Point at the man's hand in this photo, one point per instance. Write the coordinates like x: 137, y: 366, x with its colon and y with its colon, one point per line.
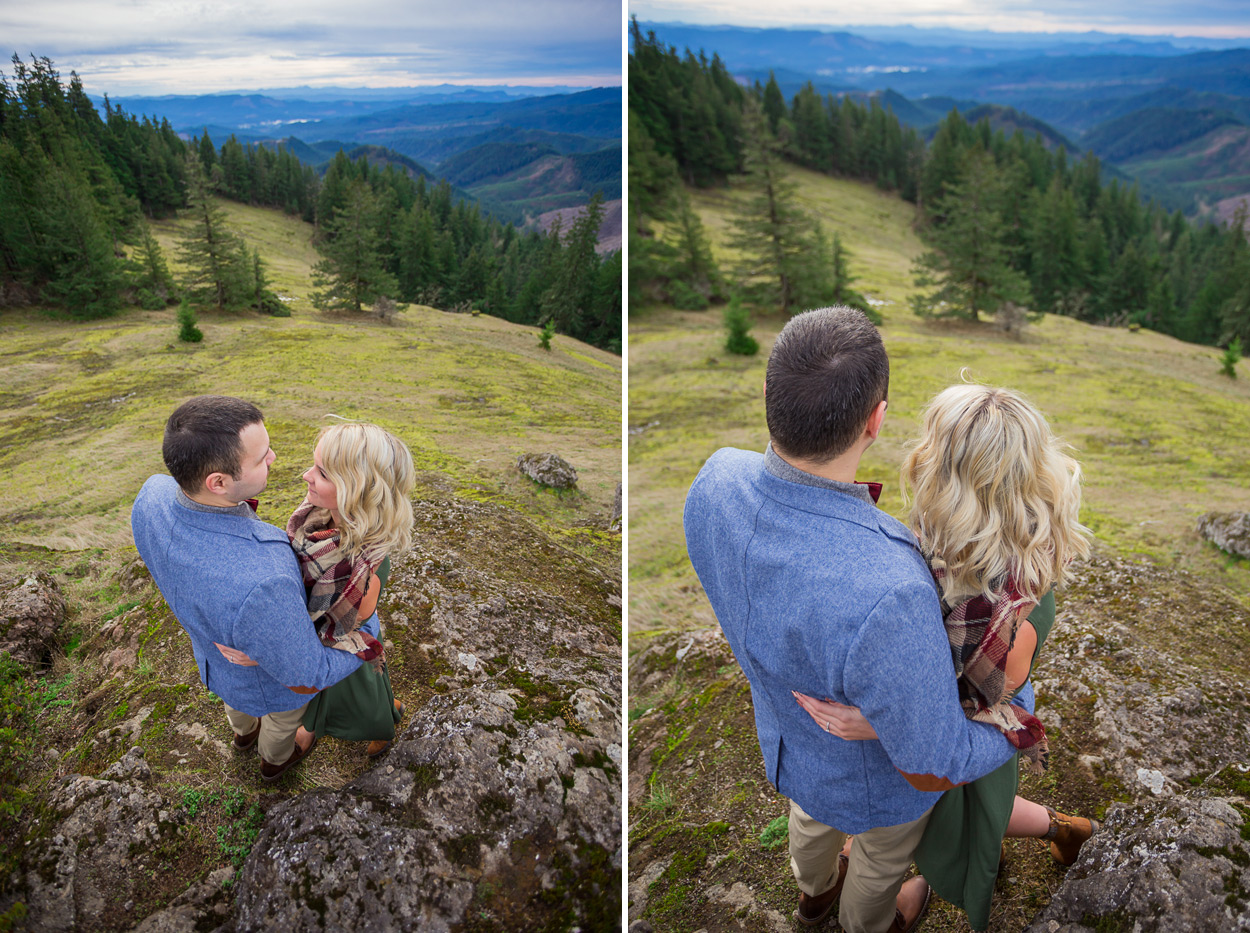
x: 235, y: 656
x: 846, y: 722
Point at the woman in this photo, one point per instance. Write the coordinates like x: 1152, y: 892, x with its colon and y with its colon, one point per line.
x: 995, y: 510
x: 355, y: 516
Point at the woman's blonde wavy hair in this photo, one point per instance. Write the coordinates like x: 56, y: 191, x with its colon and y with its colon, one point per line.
x: 373, y: 475
x: 994, y: 492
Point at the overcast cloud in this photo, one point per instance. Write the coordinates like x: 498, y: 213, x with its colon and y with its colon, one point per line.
x: 1224, y: 19
x: 201, y: 46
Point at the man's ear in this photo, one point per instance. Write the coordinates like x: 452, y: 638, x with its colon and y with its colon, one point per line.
x: 215, y: 483
x: 875, y: 420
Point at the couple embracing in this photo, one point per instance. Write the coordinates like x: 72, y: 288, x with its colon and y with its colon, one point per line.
x: 282, y: 622
x: 889, y: 664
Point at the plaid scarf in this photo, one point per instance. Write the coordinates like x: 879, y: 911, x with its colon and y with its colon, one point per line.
x: 335, y: 584
x: 981, y: 632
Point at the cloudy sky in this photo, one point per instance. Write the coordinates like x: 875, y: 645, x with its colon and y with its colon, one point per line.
x: 199, y: 46
x: 1224, y: 19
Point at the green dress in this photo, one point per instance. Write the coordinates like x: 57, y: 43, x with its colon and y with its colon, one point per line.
x: 960, y: 849
x: 359, y: 708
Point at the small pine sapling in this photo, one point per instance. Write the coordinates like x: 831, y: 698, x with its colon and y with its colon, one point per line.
x: 738, y: 324
x: 1228, y: 362
x: 548, y: 331
x: 187, y: 331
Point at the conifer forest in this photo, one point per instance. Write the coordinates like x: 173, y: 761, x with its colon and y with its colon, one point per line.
x: 76, y: 187
x: 1006, y: 220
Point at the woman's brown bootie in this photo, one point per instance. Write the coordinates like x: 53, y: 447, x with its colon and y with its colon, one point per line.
x: 1067, y: 834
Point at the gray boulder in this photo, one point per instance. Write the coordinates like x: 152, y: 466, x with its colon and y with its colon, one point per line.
x: 1227, y: 530
x: 93, y: 864
x: 480, y: 813
x: 548, y: 469
x: 1179, y: 867
x: 31, y: 611
x: 616, y: 507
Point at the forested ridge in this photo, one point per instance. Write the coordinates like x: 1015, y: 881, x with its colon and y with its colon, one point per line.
x: 1007, y: 218
x: 76, y: 185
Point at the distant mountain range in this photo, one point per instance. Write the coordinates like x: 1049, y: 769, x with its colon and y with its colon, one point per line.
x: 1170, y: 113
x: 520, y: 156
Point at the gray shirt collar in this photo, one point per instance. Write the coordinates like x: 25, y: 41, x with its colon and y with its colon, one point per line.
x: 783, y: 470
x: 242, y: 509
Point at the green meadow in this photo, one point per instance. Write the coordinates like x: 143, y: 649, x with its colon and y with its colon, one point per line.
x: 1160, y: 433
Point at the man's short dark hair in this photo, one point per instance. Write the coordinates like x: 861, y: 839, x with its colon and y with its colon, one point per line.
x: 202, y: 437
x: 827, y: 373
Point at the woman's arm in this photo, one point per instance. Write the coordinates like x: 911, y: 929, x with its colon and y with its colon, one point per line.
x: 1020, y: 658
x: 369, y: 604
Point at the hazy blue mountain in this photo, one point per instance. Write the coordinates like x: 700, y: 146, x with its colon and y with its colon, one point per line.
x: 1079, y: 116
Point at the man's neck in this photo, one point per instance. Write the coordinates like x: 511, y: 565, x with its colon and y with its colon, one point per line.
x: 840, y: 469
x: 204, y: 498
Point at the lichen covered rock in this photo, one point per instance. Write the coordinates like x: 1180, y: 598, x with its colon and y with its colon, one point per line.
x: 31, y: 611
x: 1229, y: 531
x: 548, y: 469
x: 91, y: 865
x: 476, y: 811
x: 1180, y: 867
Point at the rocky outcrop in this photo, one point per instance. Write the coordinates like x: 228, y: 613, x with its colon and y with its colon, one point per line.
x: 476, y: 810
x: 1229, y: 531
x: 1179, y: 866
x: 98, y: 839
x: 548, y: 469
x: 31, y: 612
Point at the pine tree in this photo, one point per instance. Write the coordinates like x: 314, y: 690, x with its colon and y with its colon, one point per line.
x: 695, y: 278
x: 968, y: 261
x: 187, y: 331
x: 353, y: 272
x: 215, y: 258
x: 569, y: 301
x: 738, y: 326
x: 1228, y: 362
x: 772, y: 235
x: 152, y: 280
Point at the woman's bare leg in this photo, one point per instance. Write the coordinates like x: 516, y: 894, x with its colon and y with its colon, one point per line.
x: 1028, y: 820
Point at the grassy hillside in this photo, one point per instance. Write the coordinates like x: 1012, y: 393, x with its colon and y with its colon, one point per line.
x: 1160, y: 433
x: 82, y: 406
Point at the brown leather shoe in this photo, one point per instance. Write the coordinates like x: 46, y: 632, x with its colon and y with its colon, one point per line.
x: 377, y: 747
x: 813, y: 910
x: 271, y: 773
x: 245, y: 743
x: 399, y: 710
x: 900, y: 924
x: 1067, y: 834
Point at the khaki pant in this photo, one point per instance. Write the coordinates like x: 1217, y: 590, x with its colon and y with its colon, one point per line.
x: 277, y: 732
x: 879, y: 860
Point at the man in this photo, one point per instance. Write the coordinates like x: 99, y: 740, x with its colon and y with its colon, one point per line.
x: 820, y: 592
x: 232, y: 580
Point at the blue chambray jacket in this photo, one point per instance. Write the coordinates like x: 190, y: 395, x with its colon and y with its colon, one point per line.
x: 236, y: 581
x: 820, y: 592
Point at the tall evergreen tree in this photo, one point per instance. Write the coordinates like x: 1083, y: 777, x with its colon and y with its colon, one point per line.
x: 570, y: 299
x: 353, y: 272
x: 771, y: 233
x: 216, y: 260
x: 968, y: 261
